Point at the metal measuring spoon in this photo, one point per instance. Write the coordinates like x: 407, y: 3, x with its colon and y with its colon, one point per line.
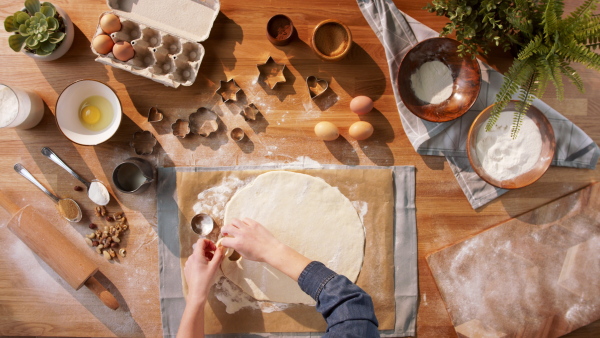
x: 21, y: 170
x: 52, y: 156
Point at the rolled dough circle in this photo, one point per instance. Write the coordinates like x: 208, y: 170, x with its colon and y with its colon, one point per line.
x: 305, y: 213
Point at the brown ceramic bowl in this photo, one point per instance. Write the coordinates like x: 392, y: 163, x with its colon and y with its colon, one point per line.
x: 280, y: 30
x: 465, y: 74
x: 331, y: 40
x: 527, y: 178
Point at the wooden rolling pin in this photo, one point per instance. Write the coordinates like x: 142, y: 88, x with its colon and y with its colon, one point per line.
x: 55, y: 249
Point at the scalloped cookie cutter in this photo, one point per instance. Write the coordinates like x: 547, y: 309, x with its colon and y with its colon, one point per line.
x: 181, y: 128
x: 203, y: 122
x: 271, y: 73
x: 143, y: 142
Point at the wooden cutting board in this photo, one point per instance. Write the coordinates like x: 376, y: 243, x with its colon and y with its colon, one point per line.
x: 536, y: 275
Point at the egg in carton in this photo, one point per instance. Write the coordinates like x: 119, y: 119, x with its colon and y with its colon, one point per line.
x: 164, y: 35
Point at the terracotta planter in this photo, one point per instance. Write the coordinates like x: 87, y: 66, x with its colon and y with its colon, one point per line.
x: 66, y: 43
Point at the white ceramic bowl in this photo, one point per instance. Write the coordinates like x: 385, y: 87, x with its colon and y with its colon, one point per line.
x: 67, y: 112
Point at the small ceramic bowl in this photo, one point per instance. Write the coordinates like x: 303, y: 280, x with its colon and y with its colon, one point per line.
x: 466, y: 77
x: 539, y: 168
x: 331, y: 40
x: 67, y: 112
x: 280, y: 30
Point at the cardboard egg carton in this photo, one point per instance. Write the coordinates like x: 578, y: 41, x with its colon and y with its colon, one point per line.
x: 165, y: 35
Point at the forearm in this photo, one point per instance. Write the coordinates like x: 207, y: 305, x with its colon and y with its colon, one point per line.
x: 192, y: 321
x: 288, y: 261
x: 345, y: 307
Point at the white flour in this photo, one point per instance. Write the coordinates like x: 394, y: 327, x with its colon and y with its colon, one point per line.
x: 432, y: 82
x: 9, y: 106
x: 504, y: 158
x: 98, y: 193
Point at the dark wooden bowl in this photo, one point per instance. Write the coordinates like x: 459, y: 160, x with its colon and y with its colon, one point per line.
x: 527, y: 178
x: 465, y: 73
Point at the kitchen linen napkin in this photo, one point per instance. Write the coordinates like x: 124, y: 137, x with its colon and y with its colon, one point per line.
x: 398, y: 33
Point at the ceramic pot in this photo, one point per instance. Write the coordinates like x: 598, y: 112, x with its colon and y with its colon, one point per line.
x: 66, y: 43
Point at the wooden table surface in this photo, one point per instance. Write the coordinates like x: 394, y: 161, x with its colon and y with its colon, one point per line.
x: 35, y: 301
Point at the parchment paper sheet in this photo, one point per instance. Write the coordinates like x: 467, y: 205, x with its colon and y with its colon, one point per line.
x: 537, y: 275
x: 388, y: 293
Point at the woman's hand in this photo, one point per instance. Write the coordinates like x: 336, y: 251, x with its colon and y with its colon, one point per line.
x: 200, y: 270
x: 254, y: 242
x: 250, y: 239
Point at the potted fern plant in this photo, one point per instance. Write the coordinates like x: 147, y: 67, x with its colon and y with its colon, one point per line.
x: 546, y: 41
x: 42, y: 31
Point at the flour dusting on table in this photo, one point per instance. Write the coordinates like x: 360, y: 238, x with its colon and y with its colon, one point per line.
x: 236, y: 299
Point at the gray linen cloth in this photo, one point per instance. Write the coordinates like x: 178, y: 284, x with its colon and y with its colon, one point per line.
x: 398, y: 33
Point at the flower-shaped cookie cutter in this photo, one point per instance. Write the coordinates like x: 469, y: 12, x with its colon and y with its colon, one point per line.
x: 155, y: 115
x: 271, y: 73
x: 228, y: 90
x: 181, y: 128
x: 316, y: 87
x: 203, y: 122
x: 143, y: 142
x: 249, y: 112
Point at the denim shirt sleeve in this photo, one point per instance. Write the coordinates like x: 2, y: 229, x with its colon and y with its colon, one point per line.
x: 347, y: 309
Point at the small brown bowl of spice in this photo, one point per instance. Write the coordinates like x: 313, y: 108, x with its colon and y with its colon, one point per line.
x: 331, y: 40
x: 280, y: 30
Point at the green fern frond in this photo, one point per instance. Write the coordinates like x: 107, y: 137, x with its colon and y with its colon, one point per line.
x: 572, y: 75
x: 527, y: 93
x: 588, y: 32
x: 574, y: 52
x: 550, y: 20
x: 551, y: 66
x: 585, y: 10
x: 532, y: 47
x: 516, y: 74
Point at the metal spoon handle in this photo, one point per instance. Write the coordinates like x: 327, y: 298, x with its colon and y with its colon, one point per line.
x: 21, y: 170
x: 51, y: 155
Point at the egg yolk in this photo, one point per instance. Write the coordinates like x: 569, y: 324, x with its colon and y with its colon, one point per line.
x: 90, y: 115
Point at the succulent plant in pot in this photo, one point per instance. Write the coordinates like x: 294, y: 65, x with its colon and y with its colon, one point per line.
x: 41, y: 30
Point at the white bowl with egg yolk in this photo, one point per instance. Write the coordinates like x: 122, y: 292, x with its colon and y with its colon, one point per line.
x: 68, y: 109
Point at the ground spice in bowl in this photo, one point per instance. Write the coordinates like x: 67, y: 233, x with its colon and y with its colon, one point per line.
x: 280, y: 29
x: 68, y: 209
x: 331, y: 40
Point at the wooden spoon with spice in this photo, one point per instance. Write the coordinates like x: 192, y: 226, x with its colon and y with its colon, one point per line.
x: 68, y: 208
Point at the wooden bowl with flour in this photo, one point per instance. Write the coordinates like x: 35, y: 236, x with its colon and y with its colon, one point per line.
x: 435, y: 83
x: 507, y: 162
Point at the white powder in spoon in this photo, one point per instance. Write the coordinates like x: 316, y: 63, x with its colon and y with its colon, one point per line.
x: 503, y: 157
x: 432, y: 82
x: 98, y: 193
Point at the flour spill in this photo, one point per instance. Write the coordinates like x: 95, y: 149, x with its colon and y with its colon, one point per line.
x: 236, y: 299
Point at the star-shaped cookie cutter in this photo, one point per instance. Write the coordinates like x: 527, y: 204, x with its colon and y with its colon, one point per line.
x: 228, y: 90
x: 249, y: 112
x: 271, y: 73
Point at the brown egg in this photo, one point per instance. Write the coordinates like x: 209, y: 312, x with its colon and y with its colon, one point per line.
x: 110, y: 23
x: 123, y: 51
x: 361, y: 130
x: 102, y: 44
x: 326, y: 131
x: 361, y: 105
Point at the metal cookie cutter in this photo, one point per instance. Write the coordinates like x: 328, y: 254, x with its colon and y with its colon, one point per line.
x: 271, y: 73
x: 155, y: 115
x: 316, y: 87
x: 249, y: 113
x: 228, y: 90
x: 203, y: 122
x: 143, y: 142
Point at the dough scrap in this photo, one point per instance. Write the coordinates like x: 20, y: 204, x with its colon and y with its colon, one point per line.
x: 305, y: 213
